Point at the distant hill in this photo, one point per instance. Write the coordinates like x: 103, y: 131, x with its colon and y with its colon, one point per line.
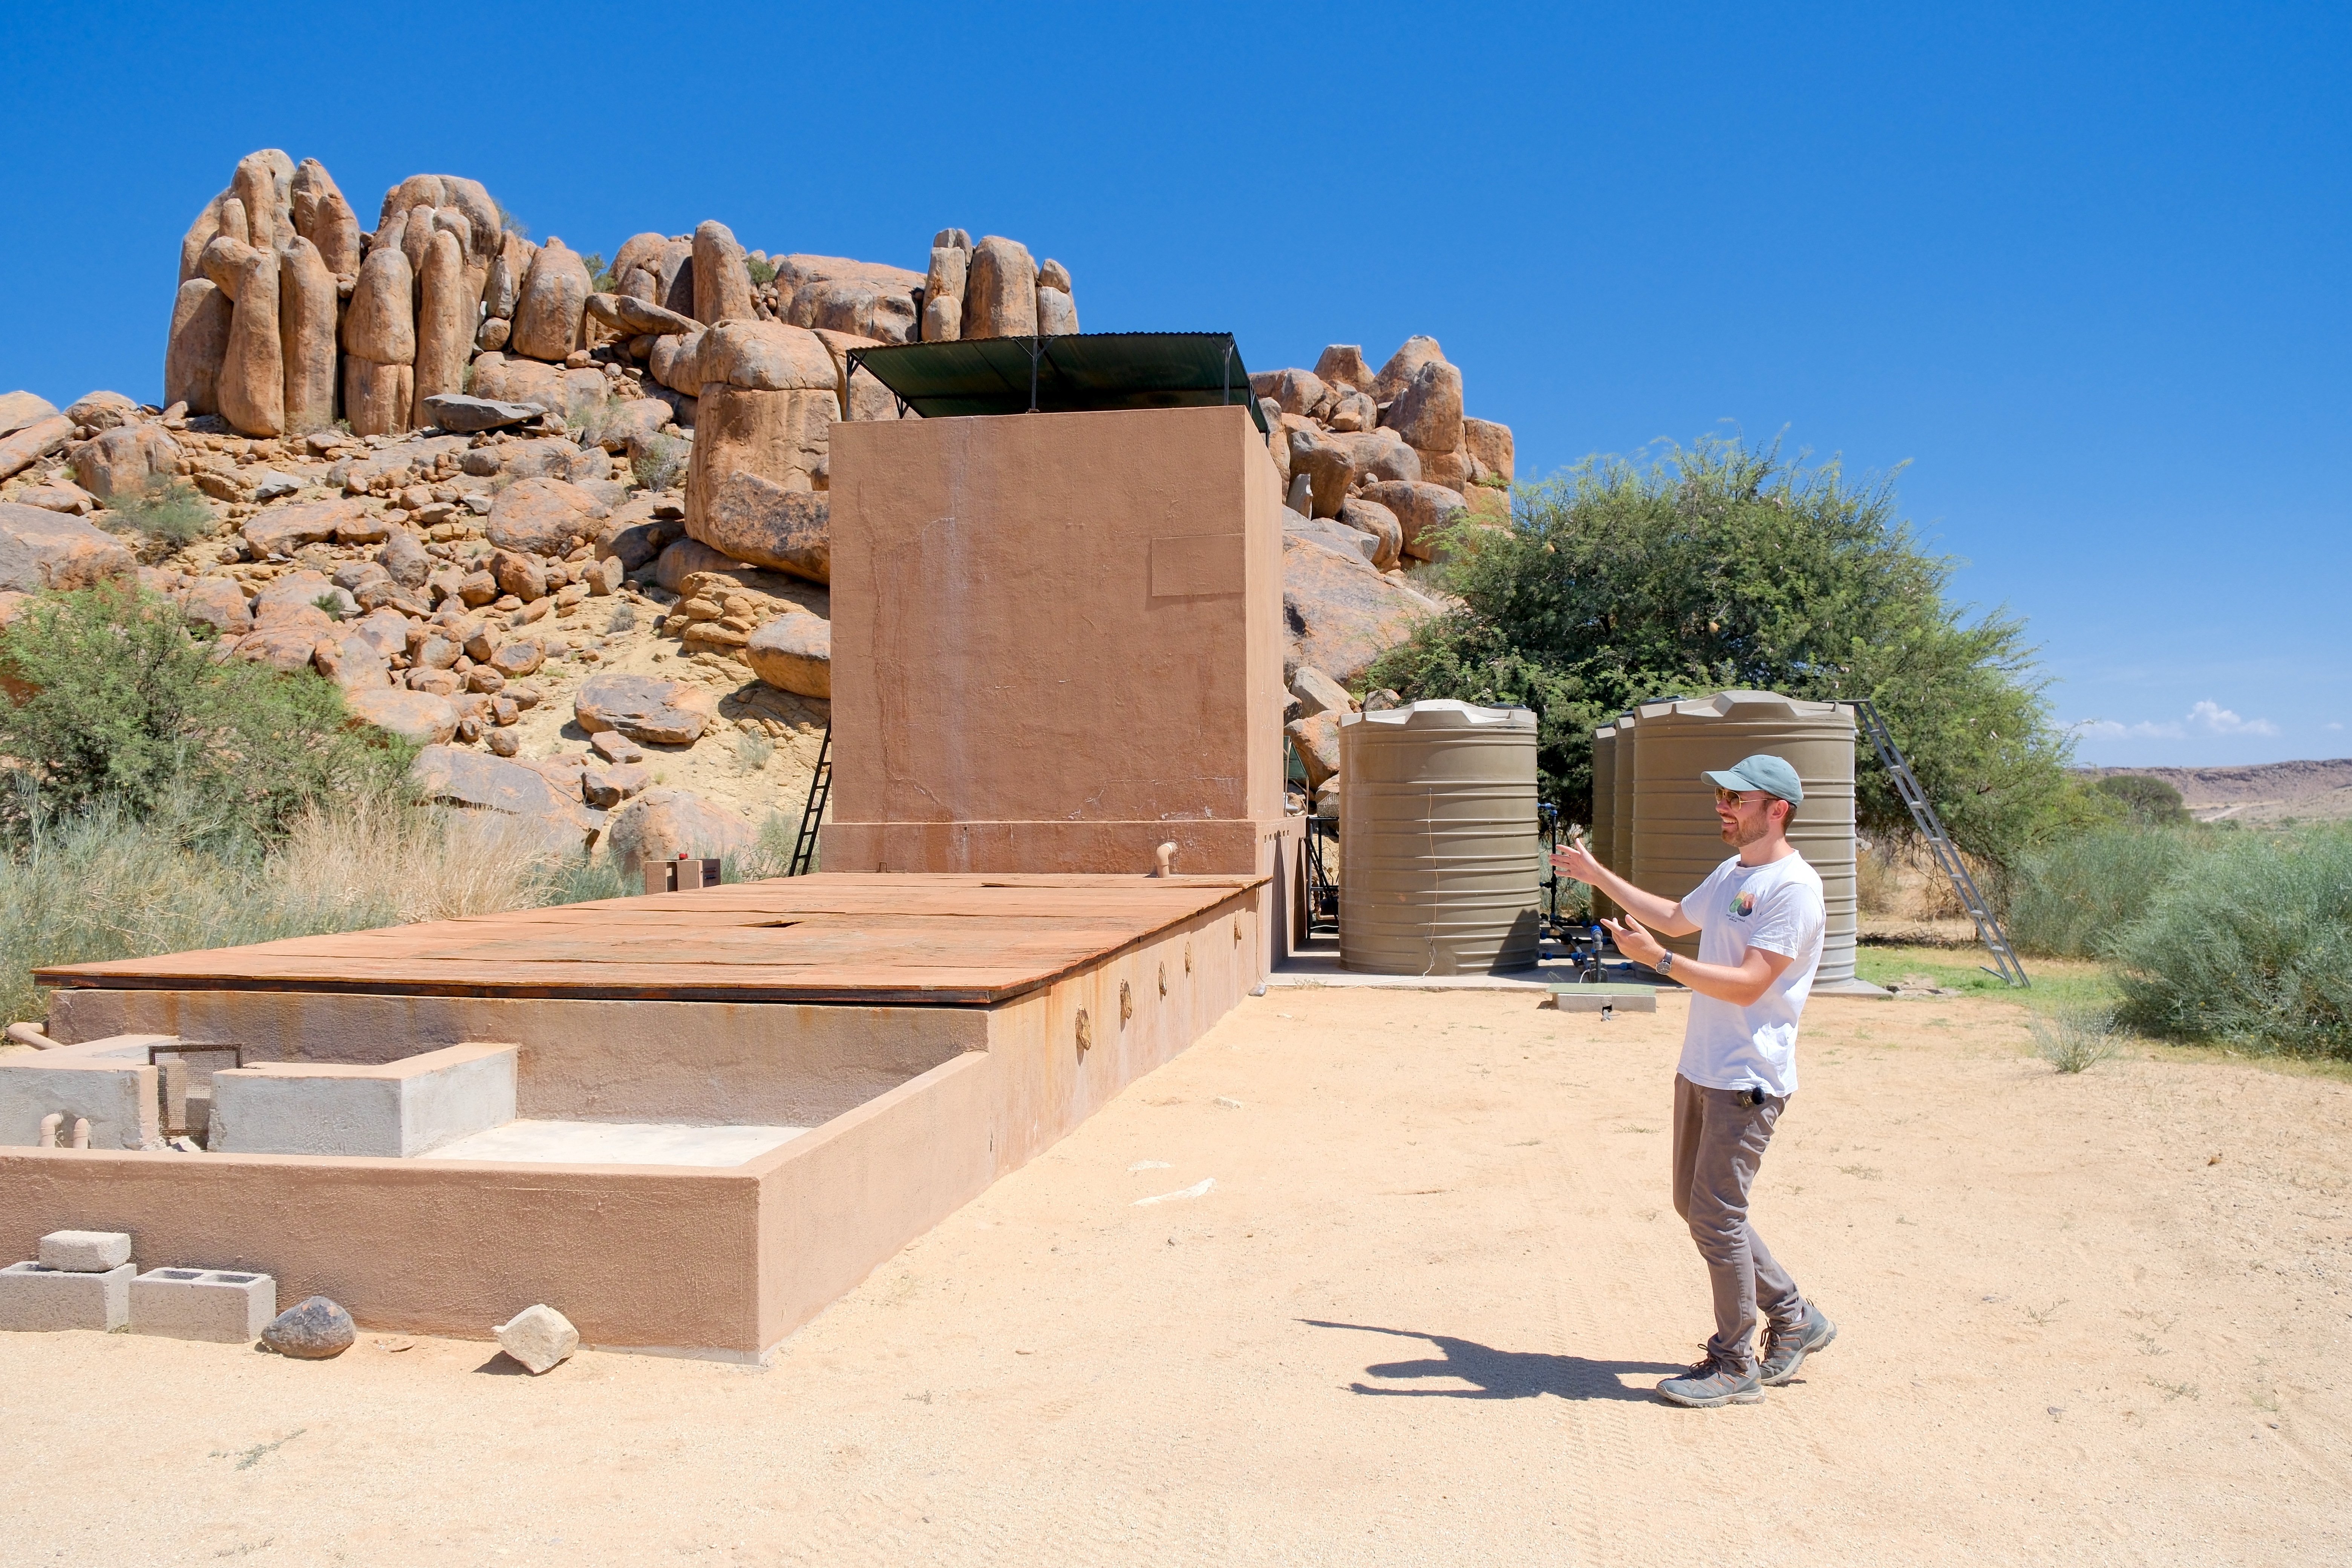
x: 2268, y: 792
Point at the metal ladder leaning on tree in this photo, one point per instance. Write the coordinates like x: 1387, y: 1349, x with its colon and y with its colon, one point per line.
x: 813, y: 813
x: 1989, y: 929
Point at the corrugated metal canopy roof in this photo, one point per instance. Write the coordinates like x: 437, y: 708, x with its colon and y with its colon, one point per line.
x: 1073, y: 373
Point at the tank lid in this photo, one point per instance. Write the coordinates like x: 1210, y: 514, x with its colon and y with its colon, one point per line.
x: 1446, y: 713
x: 1744, y: 705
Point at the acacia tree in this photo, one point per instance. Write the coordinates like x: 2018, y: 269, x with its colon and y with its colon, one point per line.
x: 1724, y: 567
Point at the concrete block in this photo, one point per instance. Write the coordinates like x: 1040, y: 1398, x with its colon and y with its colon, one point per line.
x: 223, y: 1305
x: 1605, y: 1000
x: 85, y: 1251
x: 397, y: 1110
x: 108, y: 1083
x: 39, y: 1301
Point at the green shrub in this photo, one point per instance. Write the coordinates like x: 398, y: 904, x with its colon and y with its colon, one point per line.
x: 661, y: 463
x: 2151, y: 802
x: 581, y: 879
x: 2074, y: 1038
x: 2070, y: 899
x: 104, y: 884
x: 762, y: 271
x: 771, y: 855
x: 2250, y: 944
x: 1725, y: 566
x: 169, y: 511
x: 122, y: 703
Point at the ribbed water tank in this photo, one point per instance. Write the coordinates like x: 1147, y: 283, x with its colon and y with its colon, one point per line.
x: 1602, y: 837
x: 1441, y: 861
x: 1677, y: 839
x: 1619, y: 857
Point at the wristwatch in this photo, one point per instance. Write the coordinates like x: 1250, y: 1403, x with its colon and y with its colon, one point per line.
x: 1666, y: 963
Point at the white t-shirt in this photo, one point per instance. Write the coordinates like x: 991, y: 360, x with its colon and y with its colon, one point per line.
x: 1777, y: 907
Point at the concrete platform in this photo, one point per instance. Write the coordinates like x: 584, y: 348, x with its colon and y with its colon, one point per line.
x: 730, y: 1104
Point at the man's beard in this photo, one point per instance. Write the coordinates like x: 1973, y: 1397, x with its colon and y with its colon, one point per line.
x: 1740, y: 839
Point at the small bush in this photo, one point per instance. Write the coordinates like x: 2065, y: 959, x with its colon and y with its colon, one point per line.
x: 169, y: 511
x: 2071, y: 898
x: 753, y: 750
x: 762, y: 271
x: 2074, y: 1038
x: 660, y: 466
x: 622, y: 618
x: 591, y: 417
x: 2151, y: 802
x: 331, y: 604
x: 122, y: 703
x: 769, y: 855
x: 581, y: 879
x: 2250, y: 944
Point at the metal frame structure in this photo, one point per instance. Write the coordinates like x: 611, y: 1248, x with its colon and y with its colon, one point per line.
x: 1322, y: 892
x: 1931, y: 826
x: 813, y: 813
x: 1089, y: 371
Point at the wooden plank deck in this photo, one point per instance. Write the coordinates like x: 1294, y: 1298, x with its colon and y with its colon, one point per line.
x: 830, y: 937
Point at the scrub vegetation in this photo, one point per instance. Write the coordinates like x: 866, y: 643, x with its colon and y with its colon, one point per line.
x: 1726, y: 565
x: 153, y: 797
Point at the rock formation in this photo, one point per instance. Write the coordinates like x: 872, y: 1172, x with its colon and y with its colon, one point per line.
x: 1370, y: 449
x: 455, y: 467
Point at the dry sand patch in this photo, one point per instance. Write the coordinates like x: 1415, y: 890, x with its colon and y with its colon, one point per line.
x: 1413, y: 1320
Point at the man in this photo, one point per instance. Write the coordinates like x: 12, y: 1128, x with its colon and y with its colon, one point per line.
x: 1760, y: 919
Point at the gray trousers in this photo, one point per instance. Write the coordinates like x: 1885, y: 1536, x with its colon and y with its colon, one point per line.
x: 1719, y: 1139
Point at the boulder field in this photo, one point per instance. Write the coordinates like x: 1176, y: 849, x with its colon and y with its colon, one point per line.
x: 564, y: 523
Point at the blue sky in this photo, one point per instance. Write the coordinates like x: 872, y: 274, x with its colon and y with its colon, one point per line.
x: 2084, y: 268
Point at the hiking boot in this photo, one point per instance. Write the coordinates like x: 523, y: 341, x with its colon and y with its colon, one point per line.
x: 1785, y: 1349
x: 1711, y: 1382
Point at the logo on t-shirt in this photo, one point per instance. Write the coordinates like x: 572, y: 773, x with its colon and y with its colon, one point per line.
x: 1743, y: 904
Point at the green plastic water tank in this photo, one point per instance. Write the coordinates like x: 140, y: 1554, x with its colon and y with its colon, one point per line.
x: 1441, y: 858
x: 1677, y: 839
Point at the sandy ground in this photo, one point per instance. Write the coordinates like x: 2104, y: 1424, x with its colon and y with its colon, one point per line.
x: 1415, y: 1321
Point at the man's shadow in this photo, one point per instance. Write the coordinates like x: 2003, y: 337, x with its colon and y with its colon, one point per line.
x: 1501, y: 1375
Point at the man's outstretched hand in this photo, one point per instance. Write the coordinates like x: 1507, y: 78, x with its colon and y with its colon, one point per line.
x: 1572, y: 859
x: 1634, y: 940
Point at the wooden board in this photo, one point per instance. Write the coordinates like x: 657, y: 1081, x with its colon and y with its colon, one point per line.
x: 830, y: 937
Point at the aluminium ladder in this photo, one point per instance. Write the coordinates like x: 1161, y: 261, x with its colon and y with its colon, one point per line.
x: 1989, y: 929
x: 813, y: 813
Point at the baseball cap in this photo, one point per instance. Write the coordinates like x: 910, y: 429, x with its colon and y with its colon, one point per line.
x: 1769, y: 773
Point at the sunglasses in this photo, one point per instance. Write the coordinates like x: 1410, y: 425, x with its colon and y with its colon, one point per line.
x: 1735, y: 799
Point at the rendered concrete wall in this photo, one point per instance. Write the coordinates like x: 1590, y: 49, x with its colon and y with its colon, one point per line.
x: 922, y: 1151
x: 1057, y: 643
x: 723, y: 1262
x: 785, y: 1064
x: 634, y: 1257
x: 398, y: 1109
